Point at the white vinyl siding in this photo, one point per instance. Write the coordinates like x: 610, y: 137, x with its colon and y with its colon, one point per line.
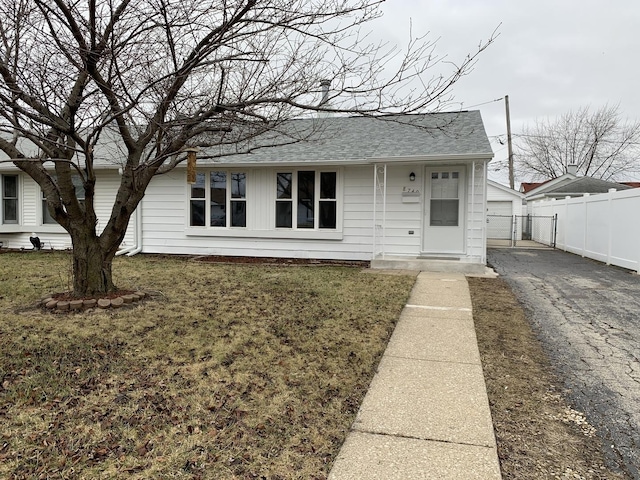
x: 54, y: 236
x: 166, y: 226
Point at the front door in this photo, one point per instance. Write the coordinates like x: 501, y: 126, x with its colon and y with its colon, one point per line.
x: 444, y: 223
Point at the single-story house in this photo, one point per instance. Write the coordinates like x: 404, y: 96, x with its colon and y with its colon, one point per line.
x: 569, y: 185
x: 403, y: 188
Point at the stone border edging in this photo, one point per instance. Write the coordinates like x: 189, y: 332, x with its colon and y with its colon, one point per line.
x: 79, y: 305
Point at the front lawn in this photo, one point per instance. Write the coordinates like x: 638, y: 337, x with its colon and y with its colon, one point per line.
x: 228, y: 372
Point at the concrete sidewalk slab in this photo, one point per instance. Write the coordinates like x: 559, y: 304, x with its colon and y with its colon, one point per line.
x: 426, y: 337
x: 426, y: 414
x: 428, y: 400
x: 448, y: 291
x: 380, y: 457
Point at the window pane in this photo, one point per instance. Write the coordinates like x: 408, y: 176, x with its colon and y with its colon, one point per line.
x: 283, y: 214
x: 444, y: 213
x: 306, y: 198
x: 239, y: 214
x: 10, y: 199
x: 197, y: 213
x: 46, y: 216
x: 79, y: 188
x: 238, y: 185
x: 197, y: 189
x: 444, y: 188
x: 10, y: 189
x: 328, y: 185
x: 218, y: 199
x: 327, y: 215
x: 10, y: 211
x: 284, y: 185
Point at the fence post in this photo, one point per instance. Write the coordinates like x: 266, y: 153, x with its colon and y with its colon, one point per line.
x: 610, y: 217
x: 513, y: 230
x: 555, y: 229
x: 585, y: 199
x: 566, y: 221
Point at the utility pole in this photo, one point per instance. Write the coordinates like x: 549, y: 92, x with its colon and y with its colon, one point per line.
x: 511, y: 179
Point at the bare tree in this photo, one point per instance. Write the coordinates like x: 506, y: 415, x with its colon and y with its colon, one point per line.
x: 600, y: 143
x: 160, y: 76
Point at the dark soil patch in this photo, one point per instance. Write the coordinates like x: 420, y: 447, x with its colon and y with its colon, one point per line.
x: 539, y: 435
x: 283, y: 261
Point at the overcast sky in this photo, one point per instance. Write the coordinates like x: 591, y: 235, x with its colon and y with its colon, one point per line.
x: 550, y: 56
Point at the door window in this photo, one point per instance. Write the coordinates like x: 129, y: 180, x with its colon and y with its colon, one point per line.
x: 445, y: 202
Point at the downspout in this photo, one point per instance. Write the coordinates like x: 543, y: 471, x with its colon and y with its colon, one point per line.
x: 125, y: 250
x: 138, y: 247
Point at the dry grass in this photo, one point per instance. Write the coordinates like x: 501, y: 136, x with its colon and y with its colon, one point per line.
x: 539, y: 436
x: 230, y: 372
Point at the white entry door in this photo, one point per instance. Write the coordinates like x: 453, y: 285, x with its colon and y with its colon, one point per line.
x: 444, y: 222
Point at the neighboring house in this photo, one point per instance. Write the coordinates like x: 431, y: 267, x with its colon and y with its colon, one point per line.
x: 526, y: 187
x: 569, y: 185
x: 399, y: 187
x: 503, y: 203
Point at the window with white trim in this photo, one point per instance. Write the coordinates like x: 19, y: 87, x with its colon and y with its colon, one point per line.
x: 309, y: 197
x: 218, y: 199
x: 9, y: 199
x: 445, y: 199
x: 47, y: 219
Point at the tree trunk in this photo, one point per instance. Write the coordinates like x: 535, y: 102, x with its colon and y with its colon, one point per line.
x: 91, y: 265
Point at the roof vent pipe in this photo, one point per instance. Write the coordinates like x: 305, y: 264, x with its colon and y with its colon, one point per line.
x: 324, y: 86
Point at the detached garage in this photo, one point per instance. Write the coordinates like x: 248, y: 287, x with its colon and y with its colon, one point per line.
x: 502, y: 204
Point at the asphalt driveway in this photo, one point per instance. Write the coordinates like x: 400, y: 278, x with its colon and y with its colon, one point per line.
x: 588, y: 317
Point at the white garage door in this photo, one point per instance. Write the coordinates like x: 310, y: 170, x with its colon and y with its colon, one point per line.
x: 499, y: 218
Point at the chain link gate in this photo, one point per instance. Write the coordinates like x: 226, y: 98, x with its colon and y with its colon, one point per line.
x: 522, y: 230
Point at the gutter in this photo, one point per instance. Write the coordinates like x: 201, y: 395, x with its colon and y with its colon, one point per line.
x: 347, y: 162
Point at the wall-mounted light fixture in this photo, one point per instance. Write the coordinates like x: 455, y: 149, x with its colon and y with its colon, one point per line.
x: 412, y: 177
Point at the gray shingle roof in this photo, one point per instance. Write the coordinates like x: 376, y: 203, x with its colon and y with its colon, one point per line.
x: 364, y: 139
x: 338, y: 140
x: 581, y: 185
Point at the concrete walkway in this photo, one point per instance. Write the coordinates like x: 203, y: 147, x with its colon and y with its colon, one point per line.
x: 426, y: 414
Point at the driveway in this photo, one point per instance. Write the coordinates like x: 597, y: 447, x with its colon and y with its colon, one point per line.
x: 587, y: 316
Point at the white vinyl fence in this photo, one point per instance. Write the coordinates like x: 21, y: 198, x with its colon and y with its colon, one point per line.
x: 605, y: 227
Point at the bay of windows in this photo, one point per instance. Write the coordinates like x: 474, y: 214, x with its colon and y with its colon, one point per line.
x: 219, y: 199
x: 306, y: 199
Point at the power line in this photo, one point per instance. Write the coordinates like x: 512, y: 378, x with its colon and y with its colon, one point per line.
x: 485, y: 103
x: 560, y: 138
